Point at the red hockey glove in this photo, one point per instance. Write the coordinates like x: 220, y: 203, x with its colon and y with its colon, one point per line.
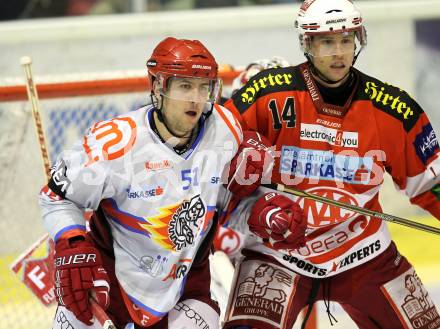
x: 253, y: 160
x: 280, y: 220
x: 78, y: 275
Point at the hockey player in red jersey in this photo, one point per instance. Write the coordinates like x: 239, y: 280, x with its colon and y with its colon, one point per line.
x: 336, y: 132
x: 151, y: 177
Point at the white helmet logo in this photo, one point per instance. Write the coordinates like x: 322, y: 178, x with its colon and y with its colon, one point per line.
x: 203, y: 67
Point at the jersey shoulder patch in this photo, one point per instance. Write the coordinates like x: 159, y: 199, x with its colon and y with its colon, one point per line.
x: 110, y: 139
x: 391, y: 100
x: 268, y: 81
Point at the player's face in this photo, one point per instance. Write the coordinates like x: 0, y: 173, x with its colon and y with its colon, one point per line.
x: 333, y: 54
x: 184, y: 102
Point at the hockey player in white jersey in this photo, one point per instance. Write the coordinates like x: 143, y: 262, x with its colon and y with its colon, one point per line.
x: 151, y: 177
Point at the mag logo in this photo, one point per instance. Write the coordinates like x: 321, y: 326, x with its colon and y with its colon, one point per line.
x: 330, y: 136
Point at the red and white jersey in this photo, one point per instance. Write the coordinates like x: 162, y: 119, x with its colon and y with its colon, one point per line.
x: 340, y: 153
x: 158, y: 204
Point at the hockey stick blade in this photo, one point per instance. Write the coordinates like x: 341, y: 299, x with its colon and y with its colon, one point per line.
x: 357, y: 209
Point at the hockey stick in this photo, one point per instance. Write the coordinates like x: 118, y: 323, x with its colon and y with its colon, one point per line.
x: 357, y: 209
x: 101, y: 316
x: 26, y: 63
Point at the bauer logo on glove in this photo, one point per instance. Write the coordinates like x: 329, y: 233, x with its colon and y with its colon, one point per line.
x: 78, y: 273
x: 75, y: 259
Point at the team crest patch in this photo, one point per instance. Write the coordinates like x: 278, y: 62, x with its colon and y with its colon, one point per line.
x: 183, y: 224
x: 411, y: 301
x: 261, y: 295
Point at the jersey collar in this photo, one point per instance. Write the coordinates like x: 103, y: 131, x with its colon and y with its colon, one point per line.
x: 321, y: 106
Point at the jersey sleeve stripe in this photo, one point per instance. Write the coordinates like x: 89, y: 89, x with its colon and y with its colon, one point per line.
x: 228, y: 123
x: 70, y: 231
x: 423, y: 182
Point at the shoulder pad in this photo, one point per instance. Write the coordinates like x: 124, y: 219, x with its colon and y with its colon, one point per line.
x: 266, y: 82
x: 392, y: 100
x: 231, y: 122
x: 110, y: 140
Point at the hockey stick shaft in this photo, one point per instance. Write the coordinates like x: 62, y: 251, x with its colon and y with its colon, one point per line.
x: 26, y: 63
x: 101, y: 316
x: 357, y: 209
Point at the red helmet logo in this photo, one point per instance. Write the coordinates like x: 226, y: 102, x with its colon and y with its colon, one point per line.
x: 180, y: 57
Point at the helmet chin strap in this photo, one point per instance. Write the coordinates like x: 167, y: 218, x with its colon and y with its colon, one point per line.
x: 160, y: 116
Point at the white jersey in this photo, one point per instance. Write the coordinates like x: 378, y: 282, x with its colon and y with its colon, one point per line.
x: 158, y: 204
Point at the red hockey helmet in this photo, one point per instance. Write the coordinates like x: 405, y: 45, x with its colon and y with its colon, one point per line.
x: 181, y: 58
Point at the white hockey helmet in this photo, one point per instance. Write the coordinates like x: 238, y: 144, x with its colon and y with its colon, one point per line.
x: 318, y: 17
